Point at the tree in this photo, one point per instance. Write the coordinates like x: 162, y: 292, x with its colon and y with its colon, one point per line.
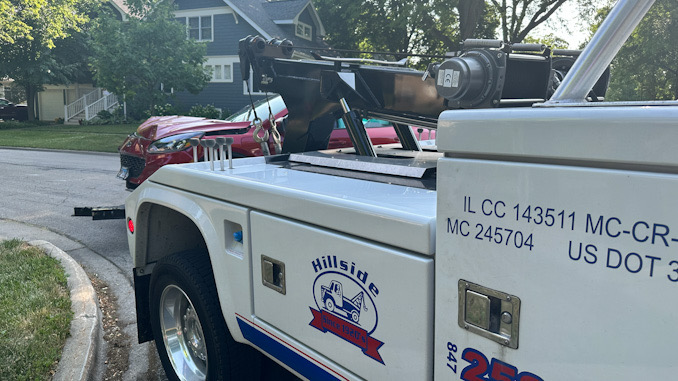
x: 470, y: 14
x: 520, y: 17
x: 30, y: 34
x: 47, y: 21
x: 549, y: 40
x: 139, y: 58
x: 427, y: 27
x: 647, y: 65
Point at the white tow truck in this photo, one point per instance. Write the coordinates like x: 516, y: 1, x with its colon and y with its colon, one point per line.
x: 535, y: 243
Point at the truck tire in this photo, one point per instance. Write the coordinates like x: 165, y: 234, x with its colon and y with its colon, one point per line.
x: 355, y: 316
x: 329, y: 304
x: 190, y: 333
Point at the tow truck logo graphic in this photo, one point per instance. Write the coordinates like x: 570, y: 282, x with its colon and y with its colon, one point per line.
x: 353, y: 319
x: 336, y: 302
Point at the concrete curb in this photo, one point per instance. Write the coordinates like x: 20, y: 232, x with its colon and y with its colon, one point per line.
x: 78, y: 356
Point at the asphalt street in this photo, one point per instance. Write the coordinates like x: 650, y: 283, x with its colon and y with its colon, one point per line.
x: 38, y: 192
x: 41, y: 188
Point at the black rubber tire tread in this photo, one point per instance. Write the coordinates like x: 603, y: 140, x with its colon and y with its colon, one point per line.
x: 192, y: 272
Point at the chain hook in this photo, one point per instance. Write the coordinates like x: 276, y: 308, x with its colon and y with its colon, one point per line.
x: 258, y: 126
x: 275, y: 134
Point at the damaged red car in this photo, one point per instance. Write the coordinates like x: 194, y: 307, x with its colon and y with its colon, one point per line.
x: 163, y: 140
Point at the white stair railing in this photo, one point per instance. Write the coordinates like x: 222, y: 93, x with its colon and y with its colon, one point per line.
x: 90, y: 104
x: 80, y: 104
x: 104, y: 103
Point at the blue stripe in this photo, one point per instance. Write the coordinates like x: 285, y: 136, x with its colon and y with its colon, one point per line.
x: 299, y: 363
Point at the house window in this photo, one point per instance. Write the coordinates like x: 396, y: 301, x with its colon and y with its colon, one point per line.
x: 199, y: 28
x: 166, y: 90
x: 304, y: 30
x: 221, y: 68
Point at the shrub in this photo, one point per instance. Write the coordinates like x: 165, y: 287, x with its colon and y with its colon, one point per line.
x: 208, y: 111
x: 107, y: 117
x: 161, y: 110
x: 104, y: 115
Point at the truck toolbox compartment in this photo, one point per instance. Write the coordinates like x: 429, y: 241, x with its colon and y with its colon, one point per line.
x: 362, y: 304
x: 585, y: 239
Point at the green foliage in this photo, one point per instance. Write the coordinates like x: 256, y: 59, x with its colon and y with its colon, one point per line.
x: 43, y: 21
x: 208, y: 111
x: 549, y: 40
x: 384, y: 25
x: 646, y: 67
x: 430, y: 27
x: 13, y: 124
x: 107, y: 117
x: 35, y: 312
x: 162, y: 110
x: 15, y: 94
x: 135, y: 59
x: 38, y: 43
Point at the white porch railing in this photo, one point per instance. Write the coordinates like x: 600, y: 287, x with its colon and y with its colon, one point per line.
x: 80, y: 104
x: 90, y: 104
x: 104, y: 103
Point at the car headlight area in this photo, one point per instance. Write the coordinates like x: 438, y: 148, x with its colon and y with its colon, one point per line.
x: 173, y: 143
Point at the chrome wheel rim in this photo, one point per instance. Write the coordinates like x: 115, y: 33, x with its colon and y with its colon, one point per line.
x: 183, y: 335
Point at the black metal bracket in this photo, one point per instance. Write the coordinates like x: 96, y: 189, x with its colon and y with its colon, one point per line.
x: 101, y: 212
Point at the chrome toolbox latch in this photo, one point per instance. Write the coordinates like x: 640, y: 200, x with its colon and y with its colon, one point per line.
x: 489, y: 313
x: 273, y: 274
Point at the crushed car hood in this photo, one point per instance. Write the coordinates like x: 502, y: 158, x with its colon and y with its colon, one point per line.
x: 157, y: 127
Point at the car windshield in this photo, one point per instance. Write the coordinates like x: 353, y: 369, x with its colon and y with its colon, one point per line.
x: 261, y: 107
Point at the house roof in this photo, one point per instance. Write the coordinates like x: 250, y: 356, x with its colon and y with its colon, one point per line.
x: 276, y: 13
x: 284, y: 10
x: 120, y: 6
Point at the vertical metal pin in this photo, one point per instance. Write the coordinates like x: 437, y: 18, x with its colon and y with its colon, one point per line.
x: 205, y: 150
x: 220, y: 143
x: 195, y: 142
x: 209, y: 146
x: 229, y: 142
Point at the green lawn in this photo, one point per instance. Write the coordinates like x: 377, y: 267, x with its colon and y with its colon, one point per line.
x: 35, y: 312
x: 100, y: 138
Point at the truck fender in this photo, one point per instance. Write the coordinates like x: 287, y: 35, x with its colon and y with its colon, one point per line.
x: 191, y: 211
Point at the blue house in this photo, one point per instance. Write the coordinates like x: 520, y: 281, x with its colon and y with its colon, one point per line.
x: 222, y: 23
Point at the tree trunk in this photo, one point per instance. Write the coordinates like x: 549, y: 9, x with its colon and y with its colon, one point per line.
x: 31, y: 95
x: 470, y: 12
